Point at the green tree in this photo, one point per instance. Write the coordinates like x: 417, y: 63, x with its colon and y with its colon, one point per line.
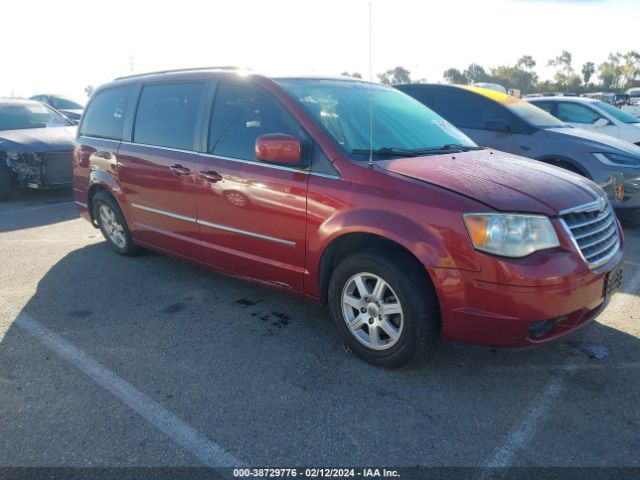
x: 630, y: 69
x: 353, y: 75
x: 573, y: 83
x: 455, y: 76
x: 526, y: 62
x: 564, y: 69
x: 588, y: 69
x: 395, y: 76
x: 610, y: 71
x: 88, y: 90
x: 514, y: 77
x: 475, y: 73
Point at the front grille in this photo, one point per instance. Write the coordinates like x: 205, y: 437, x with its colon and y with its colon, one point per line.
x: 595, y: 232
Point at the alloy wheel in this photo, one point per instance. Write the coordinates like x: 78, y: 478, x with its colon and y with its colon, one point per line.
x: 372, y: 311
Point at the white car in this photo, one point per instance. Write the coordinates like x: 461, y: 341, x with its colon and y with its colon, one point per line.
x: 633, y: 107
x: 592, y: 114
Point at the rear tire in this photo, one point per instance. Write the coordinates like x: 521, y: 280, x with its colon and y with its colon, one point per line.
x: 389, y: 323
x: 112, y: 223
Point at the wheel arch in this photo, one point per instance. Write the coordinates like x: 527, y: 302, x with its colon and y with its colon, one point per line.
x: 346, y: 244
x: 100, y: 180
x: 566, y: 163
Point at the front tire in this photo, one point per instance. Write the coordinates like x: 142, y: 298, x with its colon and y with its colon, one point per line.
x: 385, y: 307
x: 112, y: 224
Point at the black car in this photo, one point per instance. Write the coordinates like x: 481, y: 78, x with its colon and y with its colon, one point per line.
x: 36, y: 143
x: 65, y: 105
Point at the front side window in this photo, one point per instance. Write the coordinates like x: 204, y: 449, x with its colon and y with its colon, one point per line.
x: 575, y: 113
x: 20, y: 116
x: 349, y: 110
x: 167, y: 115
x: 105, y: 115
x: 241, y: 114
x: 65, y: 103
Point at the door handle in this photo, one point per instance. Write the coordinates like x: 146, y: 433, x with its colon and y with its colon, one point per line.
x: 179, y: 170
x: 103, y: 154
x: 210, y: 176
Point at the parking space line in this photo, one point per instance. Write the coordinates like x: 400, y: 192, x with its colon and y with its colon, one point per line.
x: 526, y: 428
x: 208, y: 452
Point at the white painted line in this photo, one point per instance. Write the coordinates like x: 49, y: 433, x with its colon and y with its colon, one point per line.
x: 525, y: 428
x: 528, y: 425
x: 629, y: 262
x: 211, y: 454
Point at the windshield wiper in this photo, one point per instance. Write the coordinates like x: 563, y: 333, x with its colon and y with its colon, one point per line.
x: 386, y: 151
x: 449, y: 147
x: 416, y: 152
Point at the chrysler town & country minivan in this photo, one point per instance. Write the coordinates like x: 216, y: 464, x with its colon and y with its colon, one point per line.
x: 354, y: 194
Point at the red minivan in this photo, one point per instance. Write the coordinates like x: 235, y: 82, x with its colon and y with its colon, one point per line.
x: 352, y: 193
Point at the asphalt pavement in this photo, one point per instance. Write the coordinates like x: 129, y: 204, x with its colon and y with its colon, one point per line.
x: 107, y: 361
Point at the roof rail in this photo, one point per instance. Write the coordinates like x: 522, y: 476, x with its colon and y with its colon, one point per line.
x: 194, y: 69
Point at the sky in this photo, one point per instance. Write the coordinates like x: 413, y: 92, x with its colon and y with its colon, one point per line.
x: 62, y: 46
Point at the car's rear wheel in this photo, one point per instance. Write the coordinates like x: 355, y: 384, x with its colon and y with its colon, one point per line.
x: 112, y: 223
x: 385, y: 307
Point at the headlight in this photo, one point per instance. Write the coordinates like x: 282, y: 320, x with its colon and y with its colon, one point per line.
x: 617, y: 160
x: 510, y: 234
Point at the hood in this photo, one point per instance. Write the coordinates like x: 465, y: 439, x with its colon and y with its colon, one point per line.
x: 500, y: 180
x: 53, y: 139
x: 597, y: 142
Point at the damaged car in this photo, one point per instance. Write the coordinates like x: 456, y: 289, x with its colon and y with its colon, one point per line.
x: 35, y: 146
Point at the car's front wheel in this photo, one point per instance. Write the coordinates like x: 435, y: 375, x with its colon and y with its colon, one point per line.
x: 112, y: 223
x: 385, y: 306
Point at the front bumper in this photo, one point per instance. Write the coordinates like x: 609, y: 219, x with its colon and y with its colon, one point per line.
x: 41, y: 169
x: 524, y: 302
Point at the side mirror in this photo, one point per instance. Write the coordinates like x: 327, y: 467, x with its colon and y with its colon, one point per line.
x: 278, y: 148
x: 601, y: 122
x: 497, y: 126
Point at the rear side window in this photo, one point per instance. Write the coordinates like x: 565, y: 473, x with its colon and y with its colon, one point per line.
x: 546, y: 106
x: 106, y: 113
x: 167, y: 115
x: 239, y: 116
x: 467, y: 110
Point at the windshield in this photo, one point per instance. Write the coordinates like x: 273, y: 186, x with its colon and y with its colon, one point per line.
x: 399, y: 121
x: 534, y: 115
x: 616, y: 113
x: 18, y: 116
x: 65, y: 103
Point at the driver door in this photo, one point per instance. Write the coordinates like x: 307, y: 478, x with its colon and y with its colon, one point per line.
x: 251, y: 214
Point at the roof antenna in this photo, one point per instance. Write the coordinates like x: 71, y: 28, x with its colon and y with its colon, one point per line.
x: 370, y: 104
